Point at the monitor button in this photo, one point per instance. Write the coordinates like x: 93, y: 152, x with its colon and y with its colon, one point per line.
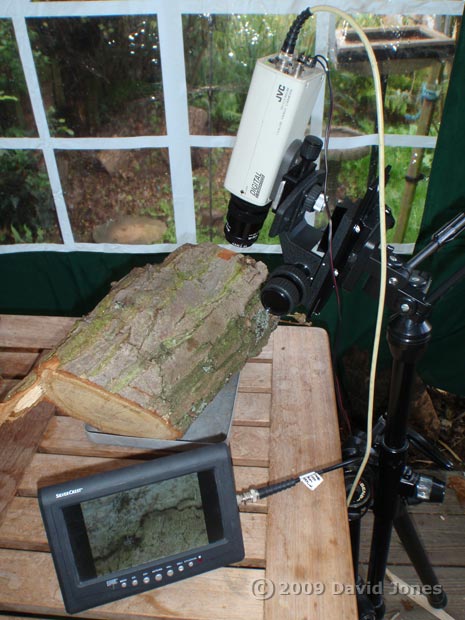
x: 146, y: 579
x: 134, y: 582
x: 170, y: 572
x: 181, y: 568
x: 158, y: 577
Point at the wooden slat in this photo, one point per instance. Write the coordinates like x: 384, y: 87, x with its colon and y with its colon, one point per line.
x: 254, y: 533
x: 452, y: 580
x: 307, y: 535
x: 255, y: 377
x: 18, y: 441
x: 223, y: 594
x: 251, y: 409
x: 10, y: 617
x: 67, y: 436
x: 46, y: 469
x: 250, y: 446
x: 16, y: 364
x: 42, y: 332
x: 443, y: 537
x: 22, y: 528
x: 266, y: 353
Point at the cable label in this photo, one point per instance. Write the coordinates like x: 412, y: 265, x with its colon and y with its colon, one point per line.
x: 312, y: 480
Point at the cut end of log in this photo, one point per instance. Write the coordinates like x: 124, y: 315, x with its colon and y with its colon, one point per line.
x: 20, y: 401
x: 29, y: 399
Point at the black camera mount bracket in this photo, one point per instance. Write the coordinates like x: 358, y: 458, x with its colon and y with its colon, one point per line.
x: 315, y: 258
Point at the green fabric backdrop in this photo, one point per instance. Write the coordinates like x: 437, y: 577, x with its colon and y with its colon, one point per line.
x: 71, y: 284
x: 55, y: 283
x: 444, y: 364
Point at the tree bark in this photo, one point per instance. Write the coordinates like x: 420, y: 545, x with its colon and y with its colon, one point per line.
x: 152, y: 354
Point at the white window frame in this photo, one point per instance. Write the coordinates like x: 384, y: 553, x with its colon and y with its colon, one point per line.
x: 177, y: 140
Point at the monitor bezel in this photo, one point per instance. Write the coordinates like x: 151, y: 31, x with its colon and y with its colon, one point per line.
x: 80, y: 594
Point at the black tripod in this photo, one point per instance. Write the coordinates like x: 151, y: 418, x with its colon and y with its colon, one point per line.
x: 343, y: 254
x: 390, y: 485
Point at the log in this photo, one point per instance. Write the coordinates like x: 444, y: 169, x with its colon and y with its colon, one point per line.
x: 157, y: 349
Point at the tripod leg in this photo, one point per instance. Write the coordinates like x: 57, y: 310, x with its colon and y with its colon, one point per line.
x: 366, y: 610
x: 381, y: 538
x: 412, y: 544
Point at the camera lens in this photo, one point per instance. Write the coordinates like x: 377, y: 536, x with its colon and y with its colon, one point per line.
x: 285, y: 290
x: 244, y: 222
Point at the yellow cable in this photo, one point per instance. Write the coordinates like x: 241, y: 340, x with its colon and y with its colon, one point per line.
x: 382, y: 223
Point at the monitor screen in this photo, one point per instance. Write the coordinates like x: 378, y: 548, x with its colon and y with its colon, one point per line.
x: 143, y: 524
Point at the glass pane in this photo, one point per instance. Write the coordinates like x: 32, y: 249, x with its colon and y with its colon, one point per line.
x: 100, y: 76
x: 118, y: 196
x: 27, y: 212
x: 16, y: 117
x: 220, y: 55
x: 405, y: 191
x: 210, y: 197
x: 414, y: 55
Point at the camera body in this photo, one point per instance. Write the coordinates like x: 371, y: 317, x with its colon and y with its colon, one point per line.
x: 279, y: 103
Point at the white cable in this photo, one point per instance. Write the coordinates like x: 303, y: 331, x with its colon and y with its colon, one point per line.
x: 382, y: 228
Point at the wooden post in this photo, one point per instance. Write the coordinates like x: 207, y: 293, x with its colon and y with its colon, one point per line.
x: 416, y: 160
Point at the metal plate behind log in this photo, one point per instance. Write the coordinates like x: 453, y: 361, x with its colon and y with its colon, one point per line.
x: 211, y: 426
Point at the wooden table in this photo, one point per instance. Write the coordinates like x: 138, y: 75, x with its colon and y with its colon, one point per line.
x: 297, y: 543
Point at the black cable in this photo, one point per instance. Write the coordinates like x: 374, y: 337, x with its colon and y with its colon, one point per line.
x: 252, y: 495
x: 290, y: 41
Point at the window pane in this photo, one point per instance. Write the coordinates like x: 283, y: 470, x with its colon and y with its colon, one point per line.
x: 118, y: 196
x: 211, y: 199
x: 220, y: 55
x: 100, y: 76
x: 405, y: 191
x: 16, y: 117
x: 414, y: 57
x: 27, y: 212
